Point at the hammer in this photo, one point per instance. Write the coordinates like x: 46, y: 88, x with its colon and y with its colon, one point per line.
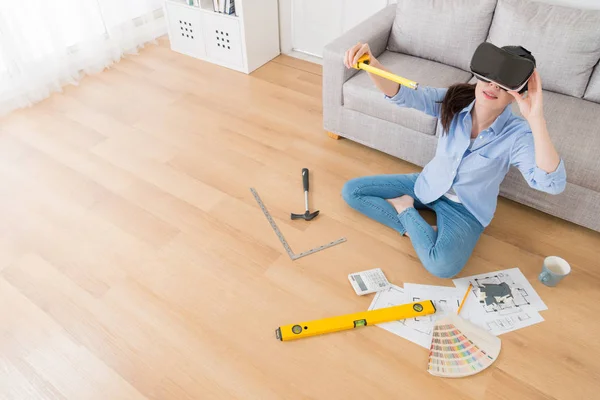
x: 307, y: 216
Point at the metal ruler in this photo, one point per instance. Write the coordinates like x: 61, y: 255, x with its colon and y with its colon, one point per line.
x: 284, y: 242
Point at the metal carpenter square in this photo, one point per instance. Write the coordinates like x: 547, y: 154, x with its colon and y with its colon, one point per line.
x: 325, y: 246
x: 284, y: 242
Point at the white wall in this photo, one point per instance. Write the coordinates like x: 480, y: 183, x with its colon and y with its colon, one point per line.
x: 307, y: 25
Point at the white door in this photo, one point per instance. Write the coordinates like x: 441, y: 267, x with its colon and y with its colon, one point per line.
x: 308, y: 25
x: 314, y: 23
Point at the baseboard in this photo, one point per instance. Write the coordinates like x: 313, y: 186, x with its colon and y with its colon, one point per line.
x: 304, y: 56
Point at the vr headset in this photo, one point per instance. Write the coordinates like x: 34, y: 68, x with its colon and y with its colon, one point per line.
x: 509, y: 67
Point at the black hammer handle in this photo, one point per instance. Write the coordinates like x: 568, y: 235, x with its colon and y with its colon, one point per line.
x: 305, y: 178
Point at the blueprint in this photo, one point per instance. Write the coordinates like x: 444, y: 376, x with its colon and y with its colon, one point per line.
x: 445, y: 299
x: 501, y: 301
x: 417, y: 330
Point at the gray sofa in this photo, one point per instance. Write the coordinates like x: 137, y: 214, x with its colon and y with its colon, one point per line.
x: 432, y: 41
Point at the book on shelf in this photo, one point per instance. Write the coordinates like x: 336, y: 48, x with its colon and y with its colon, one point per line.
x: 230, y: 7
x: 224, y: 6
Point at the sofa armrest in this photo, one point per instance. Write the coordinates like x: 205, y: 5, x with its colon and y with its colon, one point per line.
x: 375, y: 30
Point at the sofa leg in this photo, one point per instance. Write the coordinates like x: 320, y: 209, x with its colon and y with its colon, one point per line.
x: 333, y: 135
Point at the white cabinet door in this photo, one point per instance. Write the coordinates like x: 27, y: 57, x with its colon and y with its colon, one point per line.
x: 223, y: 39
x: 185, y: 28
x: 314, y: 23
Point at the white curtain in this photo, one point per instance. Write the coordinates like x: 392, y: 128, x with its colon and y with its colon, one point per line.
x: 46, y: 44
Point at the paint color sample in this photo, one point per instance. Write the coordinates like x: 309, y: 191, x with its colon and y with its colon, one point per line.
x: 459, y: 348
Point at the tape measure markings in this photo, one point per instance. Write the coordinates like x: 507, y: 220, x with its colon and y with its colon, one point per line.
x: 325, y: 246
x: 284, y: 242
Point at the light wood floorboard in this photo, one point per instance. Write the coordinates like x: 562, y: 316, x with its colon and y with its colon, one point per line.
x: 135, y: 263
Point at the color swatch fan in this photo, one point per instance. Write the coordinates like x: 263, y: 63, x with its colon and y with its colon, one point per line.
x: 459, y: 348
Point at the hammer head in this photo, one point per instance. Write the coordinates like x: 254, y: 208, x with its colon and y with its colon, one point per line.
x: 306, y: 216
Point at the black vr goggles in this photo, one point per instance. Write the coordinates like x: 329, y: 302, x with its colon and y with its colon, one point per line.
x: 509, y: 67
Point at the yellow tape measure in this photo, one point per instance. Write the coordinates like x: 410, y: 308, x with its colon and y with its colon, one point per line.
x: 356, y: 320
x: 363, y: 63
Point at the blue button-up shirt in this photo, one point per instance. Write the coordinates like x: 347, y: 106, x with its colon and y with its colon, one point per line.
x: 476, y: 176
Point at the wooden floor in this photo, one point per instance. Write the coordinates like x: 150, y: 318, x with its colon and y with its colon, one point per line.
x: 135, y: 263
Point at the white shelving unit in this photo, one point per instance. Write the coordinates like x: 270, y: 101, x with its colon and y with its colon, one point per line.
x: 242, y: 42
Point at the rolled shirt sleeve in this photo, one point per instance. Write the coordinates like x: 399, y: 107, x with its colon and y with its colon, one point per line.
x: 424, y: 98
x: 523, y: 157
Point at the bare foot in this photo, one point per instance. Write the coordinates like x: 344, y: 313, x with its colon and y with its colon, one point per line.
x: 402, y: 203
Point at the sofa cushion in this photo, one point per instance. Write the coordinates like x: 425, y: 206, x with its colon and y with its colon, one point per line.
x: 593, y: 90
x: 361, y: 94
x: 573, y: 126
x: 565, y: 41
x: 441, y: 30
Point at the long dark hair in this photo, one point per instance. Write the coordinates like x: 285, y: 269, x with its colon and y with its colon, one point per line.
x: 457, y: 97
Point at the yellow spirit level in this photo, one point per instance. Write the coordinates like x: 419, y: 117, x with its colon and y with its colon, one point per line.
x: 356, y: 320
x: 363, y: 63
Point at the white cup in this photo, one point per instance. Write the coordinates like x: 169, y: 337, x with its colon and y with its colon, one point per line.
x: 554, y: 270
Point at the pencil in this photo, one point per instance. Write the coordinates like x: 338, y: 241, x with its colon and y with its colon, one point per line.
x: 462, y: 303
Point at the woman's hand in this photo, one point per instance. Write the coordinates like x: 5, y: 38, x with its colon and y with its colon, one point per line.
x: 355, y: 52
x: 532, y: 106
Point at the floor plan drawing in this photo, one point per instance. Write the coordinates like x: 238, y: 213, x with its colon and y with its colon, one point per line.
x: 499, y: 293
x: 502, y: 301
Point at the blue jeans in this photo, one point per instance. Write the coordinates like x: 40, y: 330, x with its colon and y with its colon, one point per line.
x: 443, y: 253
